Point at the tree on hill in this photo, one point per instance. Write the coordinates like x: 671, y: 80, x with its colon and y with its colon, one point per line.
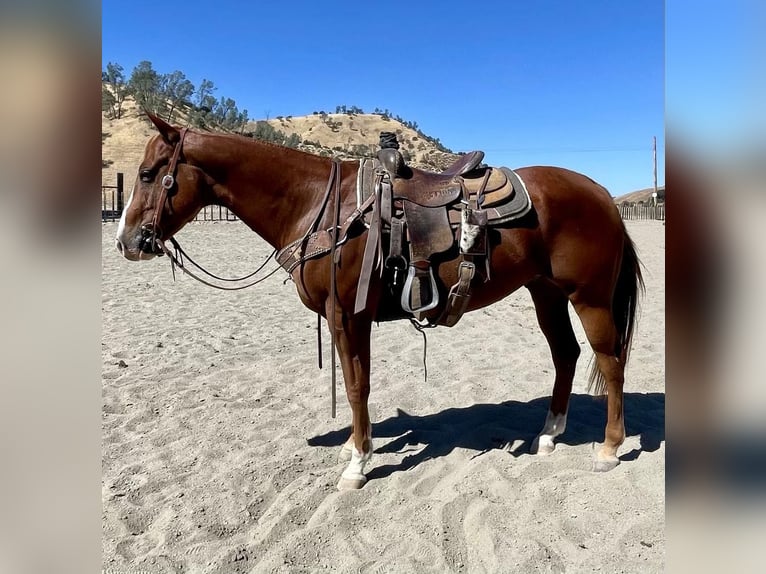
x: 222, y: 109
x: 177, y: 90
x: 227, y: 116
x: 203, y: 103
x: 113, y: 96
x: 144, y: 85
x: 266, y: 132
x: 293, y: 140
x: 107, y: 102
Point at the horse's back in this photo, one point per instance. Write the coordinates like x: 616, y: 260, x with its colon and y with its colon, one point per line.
x: 580, y: 228
x: 549, y: 185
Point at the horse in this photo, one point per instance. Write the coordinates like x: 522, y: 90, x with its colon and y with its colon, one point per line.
x: 572, y: 247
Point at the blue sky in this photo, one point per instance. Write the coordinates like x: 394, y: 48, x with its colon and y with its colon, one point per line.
x: 716, y: 84
x: 579, y: 84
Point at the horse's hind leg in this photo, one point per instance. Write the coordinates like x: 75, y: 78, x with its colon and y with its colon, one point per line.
x: 551, y: 305
x: 599, y: 326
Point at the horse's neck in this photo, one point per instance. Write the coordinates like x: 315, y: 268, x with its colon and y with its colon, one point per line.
x: 276, y: 191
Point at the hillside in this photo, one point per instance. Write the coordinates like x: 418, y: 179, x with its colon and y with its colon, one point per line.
x: 122, y: 144
x: 640, y: 195
x: 345, y: 136
x: 356, y: 135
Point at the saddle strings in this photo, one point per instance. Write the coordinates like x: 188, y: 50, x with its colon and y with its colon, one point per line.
x: 421, y: 327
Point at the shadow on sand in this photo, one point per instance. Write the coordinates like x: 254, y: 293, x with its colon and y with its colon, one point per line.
x: 484, y: 427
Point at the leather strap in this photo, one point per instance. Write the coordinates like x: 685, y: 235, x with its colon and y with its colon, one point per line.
x: 334, y: 169
x: 166, y: 184
x: 480, y: 193
x: 459, y: 295
x: 319, y: 242
x: 397, y: 236
x: 373, y: 249
x: 333, y: 271
x: 386, y: 207
x: 291, y: 255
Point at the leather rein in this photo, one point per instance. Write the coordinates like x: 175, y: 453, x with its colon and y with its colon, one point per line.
x: 337, y: 232
x: 178, y: 256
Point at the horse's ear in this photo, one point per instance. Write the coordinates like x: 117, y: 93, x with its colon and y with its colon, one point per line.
x: 169, y: 133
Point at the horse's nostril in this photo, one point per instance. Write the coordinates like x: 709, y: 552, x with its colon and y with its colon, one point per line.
x: 120, y: 247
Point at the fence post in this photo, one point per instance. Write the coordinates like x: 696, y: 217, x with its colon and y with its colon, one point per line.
x: 119, y: 193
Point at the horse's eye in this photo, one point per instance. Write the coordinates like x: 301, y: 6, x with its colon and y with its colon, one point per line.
x: 146, y: 175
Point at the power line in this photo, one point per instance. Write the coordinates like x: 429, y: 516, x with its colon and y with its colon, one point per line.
x: 569, y: 150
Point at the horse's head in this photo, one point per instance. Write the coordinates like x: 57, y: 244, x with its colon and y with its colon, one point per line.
x: 167, y: 194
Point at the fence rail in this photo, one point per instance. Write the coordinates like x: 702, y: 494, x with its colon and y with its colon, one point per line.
x: 215, y: 213
x: 112, y: 200
x: 642, y: 210
x: 112, y: 204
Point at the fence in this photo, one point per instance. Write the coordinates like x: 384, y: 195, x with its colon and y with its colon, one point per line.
x: 112, y: 204
x: 215, y: 213
x: 112, y: 200
x: 641, y: 210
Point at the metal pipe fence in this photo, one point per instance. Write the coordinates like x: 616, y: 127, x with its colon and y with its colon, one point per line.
x: 112, y: 204
x: 640, y: 210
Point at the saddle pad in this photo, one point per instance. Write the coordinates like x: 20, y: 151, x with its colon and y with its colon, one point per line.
x: 498, y: 189
x: 497, y: 179
x: 518, y: 205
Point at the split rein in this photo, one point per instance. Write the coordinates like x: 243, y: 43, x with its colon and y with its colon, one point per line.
x: 177, y: 260
x: 179, y: 255
x: 337, y: 233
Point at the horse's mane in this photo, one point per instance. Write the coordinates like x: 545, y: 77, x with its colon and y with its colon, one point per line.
x: 259, y: 142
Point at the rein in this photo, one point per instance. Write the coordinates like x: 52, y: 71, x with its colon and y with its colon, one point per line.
x: 153, y: 231
x: 177, y: 260
x: 181, y: 254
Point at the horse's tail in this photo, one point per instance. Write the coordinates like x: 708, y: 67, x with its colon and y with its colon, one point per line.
x: 630, y: 286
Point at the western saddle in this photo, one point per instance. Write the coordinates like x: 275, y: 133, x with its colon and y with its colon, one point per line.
x: 430, y: 214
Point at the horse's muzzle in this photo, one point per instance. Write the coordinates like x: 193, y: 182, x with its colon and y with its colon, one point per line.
x: 150, y: 242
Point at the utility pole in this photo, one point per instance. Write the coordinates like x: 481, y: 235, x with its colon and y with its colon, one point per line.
x: 654, y: 154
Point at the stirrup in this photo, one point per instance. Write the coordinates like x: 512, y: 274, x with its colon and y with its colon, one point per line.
x: 408, y: 288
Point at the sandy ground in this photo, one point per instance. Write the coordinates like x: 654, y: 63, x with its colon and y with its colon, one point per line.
x: 220, y: 455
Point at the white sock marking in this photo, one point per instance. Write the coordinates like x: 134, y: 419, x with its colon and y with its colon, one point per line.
x: 554, y: 426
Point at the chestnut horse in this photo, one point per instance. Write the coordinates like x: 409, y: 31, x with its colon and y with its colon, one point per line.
x: 572, y: 247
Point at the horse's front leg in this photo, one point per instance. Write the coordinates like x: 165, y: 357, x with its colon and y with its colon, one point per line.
x: 353, y: 344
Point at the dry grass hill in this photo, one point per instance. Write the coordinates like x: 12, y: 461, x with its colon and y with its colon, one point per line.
x: 356, y: 135
x: 640, y: 195
x: 122, y: 144
x: 345, y: 136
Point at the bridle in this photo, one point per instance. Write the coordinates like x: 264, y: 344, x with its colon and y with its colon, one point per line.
x: 151, y: 232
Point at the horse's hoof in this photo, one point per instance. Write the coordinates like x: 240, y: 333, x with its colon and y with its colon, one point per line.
x: 345, y: 454
x: 542, y: 447
x: 605, y: 465
x: 351, y: 483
